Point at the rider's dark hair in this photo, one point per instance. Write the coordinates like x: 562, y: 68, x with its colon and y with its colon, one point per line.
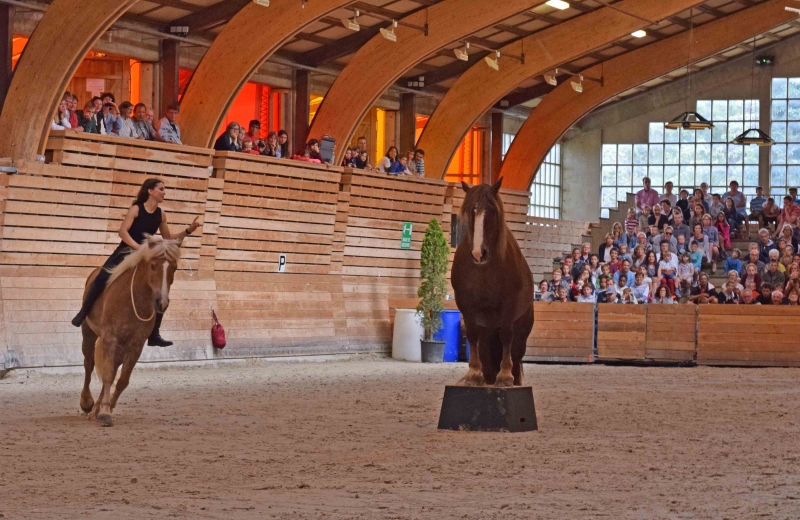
x: 144, y: 191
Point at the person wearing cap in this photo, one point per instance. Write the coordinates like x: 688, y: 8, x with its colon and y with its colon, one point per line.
x: 611, y: 295
x: 127, y: 126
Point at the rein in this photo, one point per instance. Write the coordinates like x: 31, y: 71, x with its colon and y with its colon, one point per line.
x: 133, y: 302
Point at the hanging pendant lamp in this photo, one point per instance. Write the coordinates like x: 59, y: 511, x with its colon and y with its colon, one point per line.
x: 759, y: 138
x: 689, y: 120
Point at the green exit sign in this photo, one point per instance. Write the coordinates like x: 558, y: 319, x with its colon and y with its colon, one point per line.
x: 405, y: 241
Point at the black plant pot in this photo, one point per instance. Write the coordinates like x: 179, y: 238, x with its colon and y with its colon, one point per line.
x: 432, y: 351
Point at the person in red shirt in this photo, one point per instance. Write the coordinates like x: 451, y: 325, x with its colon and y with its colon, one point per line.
x: 789, y: 215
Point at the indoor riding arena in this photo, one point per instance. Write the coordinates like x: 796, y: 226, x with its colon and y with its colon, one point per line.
x: 400, y: 259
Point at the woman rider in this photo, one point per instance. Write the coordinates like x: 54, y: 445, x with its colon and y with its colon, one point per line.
x: 144, y: 217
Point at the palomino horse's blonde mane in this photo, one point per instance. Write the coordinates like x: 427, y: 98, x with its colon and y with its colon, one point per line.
x: 152, y: 247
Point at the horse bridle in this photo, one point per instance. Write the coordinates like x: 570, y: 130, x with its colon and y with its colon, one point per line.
x: 133, y: 302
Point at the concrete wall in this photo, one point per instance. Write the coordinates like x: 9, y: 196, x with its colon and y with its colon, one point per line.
x: 627, y: 121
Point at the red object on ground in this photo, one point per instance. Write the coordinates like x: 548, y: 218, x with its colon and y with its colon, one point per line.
x: 217, y: 333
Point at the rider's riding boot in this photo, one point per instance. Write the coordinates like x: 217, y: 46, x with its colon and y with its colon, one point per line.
x: 94, y: 292
x: 155, y: 339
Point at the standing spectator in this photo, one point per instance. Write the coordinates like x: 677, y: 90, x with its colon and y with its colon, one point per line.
x: 704, y: 292
x: 757, y: 208
x: 86, y: 119
x: 789, y: 214
x: 127, y: 127
x: 765, y: 245
x: 143, y: 126
x: 663, y: 295
x: 667, y: 266
x: 770, y: 213
x: 419, y: 162
x: 229, y: 140
x: 683, y: 205
x: 646, y: 196
x: 168, y: 129
x: 271, y: 147
x: 386, y: 163
x: 668, y: 195
x: 283, y: 142
x: 60, y: 117
x: 739, y: 202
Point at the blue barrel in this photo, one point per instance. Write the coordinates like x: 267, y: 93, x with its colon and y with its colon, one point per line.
x: 450, y: 333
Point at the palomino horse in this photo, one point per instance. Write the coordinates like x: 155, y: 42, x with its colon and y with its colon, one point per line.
x: 493, y: 288
x: 122, y: 319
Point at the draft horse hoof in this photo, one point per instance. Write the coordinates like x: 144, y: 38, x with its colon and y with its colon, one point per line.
x: 504, y: 382
x: 105, y: 420
x: 474, y: 380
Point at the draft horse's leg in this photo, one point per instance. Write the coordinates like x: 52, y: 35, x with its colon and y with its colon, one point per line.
x: 104, y: 358
x: 89, y: 340
x: 474, y: 376
x: 506, y: 376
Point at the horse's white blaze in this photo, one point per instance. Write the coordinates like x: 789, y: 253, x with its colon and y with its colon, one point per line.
x: 164, y: 288
x: 477, y: 237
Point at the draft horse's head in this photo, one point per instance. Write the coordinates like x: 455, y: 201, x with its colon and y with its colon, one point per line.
x: 156, y: 259
x: 483, y: 216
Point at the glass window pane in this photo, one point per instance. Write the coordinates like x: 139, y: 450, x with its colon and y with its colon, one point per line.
x: 622, y: 194
x: 793, y: 133
x: 778, y: 110
x: 719, y: 110
x: 656, y: 174
x: 656, y: 133
x: 624, y: 154
x: 793, y: 154
x: 656, y: 154
x: 671, y: 153
x: 701, y: 174
x: 719, y: 134
x: 609, y: 176
x: 751, y: 154
x: 734, y: 154
x: 735, y: 110
x: 778, y: 154
x: 792, y: 176
x: 734, y: 174
x: 639, y: 173
x: 703, y: 136
x: 751, y: 175
x: 779, y: 88
x: 778, y: 132
x: 719, y: 153
x: 687, y: 154
x: 777, y: 177
x: 671, y: 135
x: 751, y: 110
x: 794, y: 88
x: 687, y: 176
x: 718, y: 175
x: 687, y: 136
x: 640, y: 154
x: 793, y: 111
x: 704, y: 108
x: 734, y: 129
x: 609, y: 154
x: 624, y: 176
x: 703, y: 154
x: 671, y: 174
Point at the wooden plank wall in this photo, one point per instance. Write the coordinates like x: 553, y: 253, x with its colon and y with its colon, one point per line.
x: 759, y: 336
x: 621, y: 331
x: 671, y: 332
x: 546, y: 239
x: 562, y: 332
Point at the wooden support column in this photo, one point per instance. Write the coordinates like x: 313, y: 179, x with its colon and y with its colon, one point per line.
x: 302, y: 108
x: 496, y: 147
x: 408, y: 122
x: 170, y: 67
x: 6, y: 49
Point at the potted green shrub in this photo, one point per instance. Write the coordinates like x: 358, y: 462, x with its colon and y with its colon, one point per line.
x: 432, y: 289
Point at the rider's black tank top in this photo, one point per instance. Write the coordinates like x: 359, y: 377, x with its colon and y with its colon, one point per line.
x: 145, y: 223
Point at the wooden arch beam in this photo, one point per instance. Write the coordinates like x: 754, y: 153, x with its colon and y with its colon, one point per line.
x: 563, y: 107
x: 225, y: 68
x: 478, y: 89
x: 49, y: 61
x: 379, y: 63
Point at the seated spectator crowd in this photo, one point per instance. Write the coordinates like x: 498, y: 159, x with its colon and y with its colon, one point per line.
x: 101, y: 115
x: 658, y: 255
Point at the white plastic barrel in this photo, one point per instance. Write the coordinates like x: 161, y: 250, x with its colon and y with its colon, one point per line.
x: 407, y: 333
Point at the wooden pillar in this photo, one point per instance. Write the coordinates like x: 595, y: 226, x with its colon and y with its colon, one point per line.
x: 6, y: 49
x: 170, y: 68
x: 408, y: 122
x: 496, y: 147
x: 302, y: 108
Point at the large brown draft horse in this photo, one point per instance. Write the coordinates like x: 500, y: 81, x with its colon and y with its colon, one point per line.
x: 493, y: 289
x: 123, y: 317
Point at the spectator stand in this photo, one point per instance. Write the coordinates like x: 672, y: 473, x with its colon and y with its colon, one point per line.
x: 600, y: 229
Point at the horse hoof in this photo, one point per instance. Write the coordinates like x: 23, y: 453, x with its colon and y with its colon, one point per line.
x: 474, y: 381
x: 504, y: 382
x: 87, y: 409
x: 105, y: 420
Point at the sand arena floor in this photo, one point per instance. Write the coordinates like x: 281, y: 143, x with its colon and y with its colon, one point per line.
x: 358, y: 439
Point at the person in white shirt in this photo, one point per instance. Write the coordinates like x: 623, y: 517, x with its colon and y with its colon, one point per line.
x: 168, y: 129
x: 668, y: 195
x: 667, y: 267
x: 127, y: 127
x: 61, y: 117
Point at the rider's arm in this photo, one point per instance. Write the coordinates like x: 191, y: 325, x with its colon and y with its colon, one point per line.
x: 164, y: 228
x: 127, y: 222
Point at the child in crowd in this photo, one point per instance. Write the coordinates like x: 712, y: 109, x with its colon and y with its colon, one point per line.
x: 696, y: 255
x: 732, y: 263
x: 643, y: 218
x: 623, y: 253
x: 686, y: 275
x: 640, y: 288
x: 622, y: 282
x: 682, y: 244
x: 578, y: 285
x: 615, y: 262
x: 602, y: 293
x: 716, y: 207
x: 733, y: 276
x: 586, y: 295
x: 247, y: 147
x: 724, y: 230
x: 628, y: 297
x: 605, y: 270
x: 400, y: 167
x: 631, y: 221
x: 751, y: 275
x: 565, y: 276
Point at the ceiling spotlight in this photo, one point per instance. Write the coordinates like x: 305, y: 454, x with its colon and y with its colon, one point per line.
x: 577, y: 86
x: 550, y: 79
x: 639, y: 34
x: 493, y: 63
x: 390, y: 35
x: 462, y: 54
x: 352, y: 24
x: 179, y: 30
x: 792, y: 9
x: 558, y: 4
x: 262, y: 3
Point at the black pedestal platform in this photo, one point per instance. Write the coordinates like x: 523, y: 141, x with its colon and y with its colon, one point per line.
x: 488, y: 409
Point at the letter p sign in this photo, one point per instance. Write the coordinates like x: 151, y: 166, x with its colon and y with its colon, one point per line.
x: 282, y: 263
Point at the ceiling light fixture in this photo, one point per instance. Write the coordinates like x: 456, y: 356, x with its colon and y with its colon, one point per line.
x: 639, y: 34
x: 493, y: 63
x: 390, y: 35
x: 352, y: 24
x: 550, y: 79
x: 577, y: 86
x: 792, y: 9
x: 558, y: 4
x: 760, y: 139
x: 262, y: 3
x: 690, y: 121
x: 462, y: 54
